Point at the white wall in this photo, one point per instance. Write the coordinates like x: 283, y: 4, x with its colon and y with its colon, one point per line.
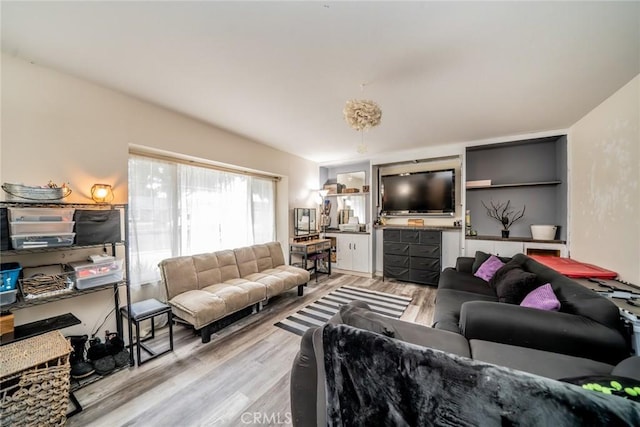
x: 604, y: 161
x: 61, y: 128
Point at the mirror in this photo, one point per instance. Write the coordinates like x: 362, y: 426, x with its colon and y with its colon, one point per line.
x: 304, y: 221
x: 354, y: 180
x: 356, y: 205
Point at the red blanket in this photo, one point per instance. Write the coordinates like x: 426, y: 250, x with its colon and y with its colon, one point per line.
x: 575, y: 269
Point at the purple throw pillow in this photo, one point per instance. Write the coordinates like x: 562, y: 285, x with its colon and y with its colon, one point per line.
x: 489, y: 268
x: 542, y: 298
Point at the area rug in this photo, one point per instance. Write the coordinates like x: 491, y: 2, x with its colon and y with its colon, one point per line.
x: 317, y: 313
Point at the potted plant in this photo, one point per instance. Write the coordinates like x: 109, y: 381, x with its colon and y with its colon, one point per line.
x: 505, y: 215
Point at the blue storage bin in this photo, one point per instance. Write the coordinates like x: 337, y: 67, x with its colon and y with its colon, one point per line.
x: 10, y: 272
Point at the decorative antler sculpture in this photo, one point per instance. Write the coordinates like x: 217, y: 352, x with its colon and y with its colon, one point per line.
x: 503, y: 213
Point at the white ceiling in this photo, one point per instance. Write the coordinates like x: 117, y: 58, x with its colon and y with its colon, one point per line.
x: 280, y: 72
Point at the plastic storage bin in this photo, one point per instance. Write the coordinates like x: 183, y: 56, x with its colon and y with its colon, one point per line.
x: 90, y: 274
x: 8, y: 297
x: 10, y: 271
x: 39, y: 227
x: 41, y: 214
x: 84, y: 269
x: 105, y: 279
x: 30, y: 241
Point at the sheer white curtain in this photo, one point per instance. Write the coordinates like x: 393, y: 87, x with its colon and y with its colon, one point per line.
x: 179, y: 209
x: 153, y: 221
x: 263, y: 210
x: 215, y: 210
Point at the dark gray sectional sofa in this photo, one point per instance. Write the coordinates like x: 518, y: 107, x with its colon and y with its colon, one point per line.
x: 309, y: 381
x: 584, y: 338
x: 587, y: 325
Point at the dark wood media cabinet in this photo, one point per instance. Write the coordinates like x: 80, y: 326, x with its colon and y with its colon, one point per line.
x: 412, y: 255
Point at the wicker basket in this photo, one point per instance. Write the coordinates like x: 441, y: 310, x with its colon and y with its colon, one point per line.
x: 46, y: 285
x: 20, y: 193
x: 34, y: 381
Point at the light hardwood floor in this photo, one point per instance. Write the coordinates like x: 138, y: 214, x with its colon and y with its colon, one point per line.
x: 240, y: 378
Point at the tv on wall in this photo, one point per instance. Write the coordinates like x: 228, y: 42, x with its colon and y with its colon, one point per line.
x: 419, y: 193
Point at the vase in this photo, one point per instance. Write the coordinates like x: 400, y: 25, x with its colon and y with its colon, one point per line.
x: 505, y: 234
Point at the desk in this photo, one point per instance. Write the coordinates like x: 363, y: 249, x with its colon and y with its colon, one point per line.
x: 312, y: 250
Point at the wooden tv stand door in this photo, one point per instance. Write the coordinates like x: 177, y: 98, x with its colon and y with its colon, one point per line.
x: 412, y: 255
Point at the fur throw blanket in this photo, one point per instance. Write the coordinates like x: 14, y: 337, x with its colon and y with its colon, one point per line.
x: 373, y: 380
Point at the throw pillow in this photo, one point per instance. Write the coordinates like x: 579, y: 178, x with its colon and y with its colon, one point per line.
x: 481, y: 258
x: 542, y: 298
x: 609, y: 384
x: 489, y: 268
x: 512, y: 283
x: 361, y: 318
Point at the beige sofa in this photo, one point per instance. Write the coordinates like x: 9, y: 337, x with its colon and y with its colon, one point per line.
x: 207, y: 287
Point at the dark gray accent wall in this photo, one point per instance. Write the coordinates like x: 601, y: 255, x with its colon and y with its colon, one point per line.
x: 541, y: 209
x: 324, y: 175
x: 530, y: 161
x: 561, y: 190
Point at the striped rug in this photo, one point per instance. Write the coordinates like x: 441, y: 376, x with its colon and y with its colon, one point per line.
x: 318, y: 312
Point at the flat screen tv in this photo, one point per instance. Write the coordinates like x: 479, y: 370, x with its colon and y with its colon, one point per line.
x: 419, y: 193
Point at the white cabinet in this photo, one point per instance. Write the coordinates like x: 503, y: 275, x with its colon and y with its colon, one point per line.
x: 510, y: 248
x: 450, y: 248
x: 378, y: 252
x: 360, y: 254
x: 496, y: 247
x: 352, y: 252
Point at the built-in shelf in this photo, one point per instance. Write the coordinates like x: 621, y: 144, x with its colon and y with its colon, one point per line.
x: 530, y: 173
x: 419, y: 227
x: 337, y: 231
x: 39, y: 327
x: 53, y: 249
x: 348, y: 194
x: 520, y: 184
x: 64, y: 295
x: 513, y: 239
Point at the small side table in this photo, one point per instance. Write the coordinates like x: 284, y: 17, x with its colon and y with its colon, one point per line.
x: 143, y: 310
x: 312, y: 250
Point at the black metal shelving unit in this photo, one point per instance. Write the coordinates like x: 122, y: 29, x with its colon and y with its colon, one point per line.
x: 45, y: 326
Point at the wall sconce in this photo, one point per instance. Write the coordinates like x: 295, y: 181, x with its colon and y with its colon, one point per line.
x: 101, y: 193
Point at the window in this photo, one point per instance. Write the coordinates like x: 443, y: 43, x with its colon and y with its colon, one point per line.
x: 178, y: 209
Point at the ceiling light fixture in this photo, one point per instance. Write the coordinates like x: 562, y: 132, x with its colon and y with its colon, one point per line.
x: 361, y: 115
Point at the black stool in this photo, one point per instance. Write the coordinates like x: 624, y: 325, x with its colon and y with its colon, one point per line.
x: 143, y: 310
